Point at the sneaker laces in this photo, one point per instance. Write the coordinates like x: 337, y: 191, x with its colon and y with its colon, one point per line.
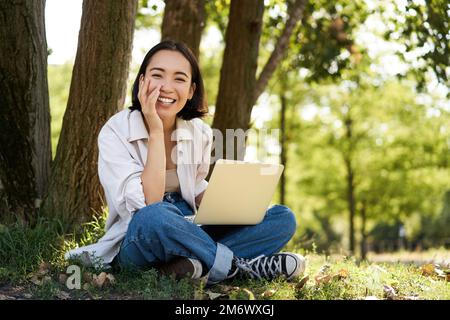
x: 260, y: 267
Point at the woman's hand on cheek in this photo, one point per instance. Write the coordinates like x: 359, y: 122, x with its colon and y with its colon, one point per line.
x: 148, y: 98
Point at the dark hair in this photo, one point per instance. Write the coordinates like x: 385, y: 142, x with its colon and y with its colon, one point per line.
x: 195, y: 107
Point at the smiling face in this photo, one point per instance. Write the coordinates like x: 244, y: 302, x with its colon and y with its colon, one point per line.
x: 172, y: 71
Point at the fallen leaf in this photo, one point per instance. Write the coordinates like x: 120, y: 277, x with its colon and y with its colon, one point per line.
x: 324, y: 269
x: 62, y: 295
x: 99, y: 280
x: 199, y: 295
x: 35, y: 279
x: 389, y: 292
x: 111, y: 279
x: 440, y: 273
x: 62, y: 278
x: 46, y: 279
x: 268, y: 293
x: 302, y: 283
x: 427, y: 269
x: 323, y: 279
x: 342, y: 274
x: 27, y: 295
x: 87, y: 277
x: 227, y: 289
x: 410, y: 298
x: 249, y: 294
x: 44, y: 268
x: 213, y: 295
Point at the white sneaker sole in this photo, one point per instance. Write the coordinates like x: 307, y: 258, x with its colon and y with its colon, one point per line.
x: 301, y: 265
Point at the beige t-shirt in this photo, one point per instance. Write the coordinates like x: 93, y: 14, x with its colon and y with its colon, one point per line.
x: 172, y: 182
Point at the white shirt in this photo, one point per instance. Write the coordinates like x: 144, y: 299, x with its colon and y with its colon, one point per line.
x: 122, y: 144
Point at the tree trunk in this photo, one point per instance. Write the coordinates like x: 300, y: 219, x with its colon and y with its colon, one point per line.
x: 184, y: 21
x: 238, y: 72
x: 350, y: 182
x: 363, y: 232
x: 235, y: 100
x: 97, y: 91
x: 25, y: 153
x: 283, y: 144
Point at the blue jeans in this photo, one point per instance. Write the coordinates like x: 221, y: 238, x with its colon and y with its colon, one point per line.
x: 159, y: 232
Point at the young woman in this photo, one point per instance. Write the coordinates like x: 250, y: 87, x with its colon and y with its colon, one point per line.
x: 152, y: 184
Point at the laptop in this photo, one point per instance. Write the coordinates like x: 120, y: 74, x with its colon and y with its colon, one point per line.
x: 238, y: 193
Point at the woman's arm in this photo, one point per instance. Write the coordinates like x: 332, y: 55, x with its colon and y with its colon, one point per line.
x: 153, y: 177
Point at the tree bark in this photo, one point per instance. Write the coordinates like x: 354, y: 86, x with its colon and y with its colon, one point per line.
x: 97, y: 91
x: 238, y: 72
x: 363, y: 232
x: 350, y: 181
x: 25, y: 153
x: 184, y: 21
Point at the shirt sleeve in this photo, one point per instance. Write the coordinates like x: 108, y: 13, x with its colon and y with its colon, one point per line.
x: 203, y: 168
x: 119, y: 173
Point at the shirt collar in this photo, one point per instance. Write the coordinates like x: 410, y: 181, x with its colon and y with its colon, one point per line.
x: 138, y: 131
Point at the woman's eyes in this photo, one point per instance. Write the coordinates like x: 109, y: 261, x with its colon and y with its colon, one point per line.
x: 176, y: 79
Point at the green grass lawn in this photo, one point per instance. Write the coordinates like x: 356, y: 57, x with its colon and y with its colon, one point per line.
x: 32, y: 267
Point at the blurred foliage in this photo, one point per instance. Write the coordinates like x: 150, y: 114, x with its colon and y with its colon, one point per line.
x: 324, y: 41
x: 423, y: 27
x: 149, y: 15
x: 217, y: 12
x: 399, y: 152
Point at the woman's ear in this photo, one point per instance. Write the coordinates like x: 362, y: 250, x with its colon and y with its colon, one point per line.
x: 192, y: 90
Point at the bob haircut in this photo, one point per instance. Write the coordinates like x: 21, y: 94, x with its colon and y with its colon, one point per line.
x: 195, y: 107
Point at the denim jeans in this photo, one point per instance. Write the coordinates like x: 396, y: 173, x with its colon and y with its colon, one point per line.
x: 159, y: 232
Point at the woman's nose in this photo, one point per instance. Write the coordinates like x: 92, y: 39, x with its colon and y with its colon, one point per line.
x: 166, y: 86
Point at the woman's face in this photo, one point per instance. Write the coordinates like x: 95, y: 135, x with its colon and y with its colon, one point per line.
x: 172, y: 71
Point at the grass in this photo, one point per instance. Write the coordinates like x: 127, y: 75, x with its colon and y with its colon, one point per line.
x: 32, y: 266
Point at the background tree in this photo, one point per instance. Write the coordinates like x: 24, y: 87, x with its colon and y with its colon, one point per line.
x: 324, y: 48
x: 184, y: 21
x: 97, y: 91
x: 239, y: 88
x: 398, y: 160
x: 25, y: 153
x: 237, y: 76
x: 423, y: 28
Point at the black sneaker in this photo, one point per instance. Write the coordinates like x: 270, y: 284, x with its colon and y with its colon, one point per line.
x: 284, y: 264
